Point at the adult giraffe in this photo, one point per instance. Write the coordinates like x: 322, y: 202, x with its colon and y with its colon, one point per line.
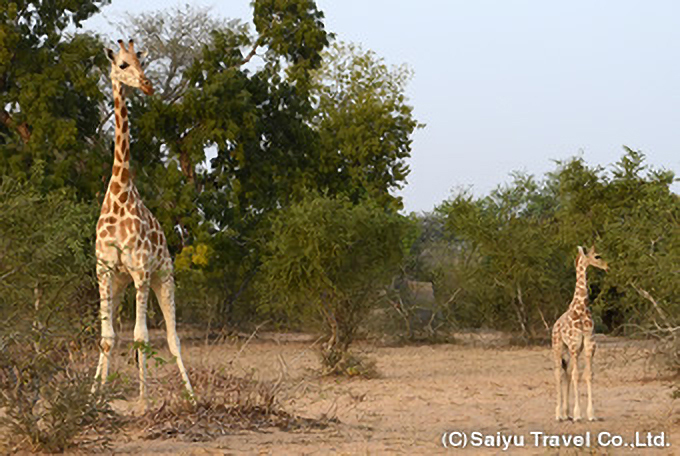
x: 130, y: 244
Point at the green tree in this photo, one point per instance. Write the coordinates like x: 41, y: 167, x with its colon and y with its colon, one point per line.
x: 47, y: 313
x: 49, y: 93
x: 634, y: 214
x: 329, y: 259
x: 365, y: 124
x: 260, y: 102
x: 255, y: 96
x: 252, y: 118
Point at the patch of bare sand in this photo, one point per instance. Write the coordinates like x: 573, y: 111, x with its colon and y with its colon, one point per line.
x: 425, y: 391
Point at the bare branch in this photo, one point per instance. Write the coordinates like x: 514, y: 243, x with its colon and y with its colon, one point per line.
x: 453, y: 296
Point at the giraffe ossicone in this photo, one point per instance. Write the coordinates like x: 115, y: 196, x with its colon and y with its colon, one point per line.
x: 573, y: 334
x: 131, y: 245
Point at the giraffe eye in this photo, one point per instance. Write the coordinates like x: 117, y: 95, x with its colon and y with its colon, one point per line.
x: 123, y: 65
x: 597, y: 257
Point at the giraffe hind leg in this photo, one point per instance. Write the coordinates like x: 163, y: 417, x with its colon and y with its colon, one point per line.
x: 561, y: 385
x: 565, y: 386
x: 589, y: 351
x: 164, y: 288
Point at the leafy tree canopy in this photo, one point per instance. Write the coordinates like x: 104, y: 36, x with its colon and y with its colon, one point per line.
x: 365, y: 124
x: 49, y: 92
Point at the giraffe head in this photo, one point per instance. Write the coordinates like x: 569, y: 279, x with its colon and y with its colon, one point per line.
x: 590, y: 258
x: 127, y: 69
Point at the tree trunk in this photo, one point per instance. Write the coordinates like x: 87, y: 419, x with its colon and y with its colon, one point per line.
x: 186, y: 165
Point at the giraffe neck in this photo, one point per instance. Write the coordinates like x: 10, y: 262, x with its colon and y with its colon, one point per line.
x: 581, y: 291
x: 121, y: 156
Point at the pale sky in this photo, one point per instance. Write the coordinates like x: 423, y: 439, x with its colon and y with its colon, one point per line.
x: 506, y: 85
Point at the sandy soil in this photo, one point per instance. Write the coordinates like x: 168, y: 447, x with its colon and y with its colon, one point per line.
x: 425, y: 391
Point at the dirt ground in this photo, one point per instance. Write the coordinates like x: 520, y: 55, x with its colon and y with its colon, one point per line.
x: 475, y: 385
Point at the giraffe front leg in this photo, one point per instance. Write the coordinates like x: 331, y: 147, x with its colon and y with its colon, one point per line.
x: 560, y: 408
x: 141, y: 335
x: 574, y: 381
x: 108, y: 335
x: 558, y: 391
x: 589, y: 352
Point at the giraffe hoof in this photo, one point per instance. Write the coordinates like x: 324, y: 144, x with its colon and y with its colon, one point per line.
x: 576, y: 419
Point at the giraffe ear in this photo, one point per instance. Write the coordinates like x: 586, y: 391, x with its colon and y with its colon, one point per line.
x: 141, y: 56
x: 110, y: 55
x: 580, y: 250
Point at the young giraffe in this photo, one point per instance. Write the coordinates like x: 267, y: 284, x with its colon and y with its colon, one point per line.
x: 130, y: 241
x: 574, y: 331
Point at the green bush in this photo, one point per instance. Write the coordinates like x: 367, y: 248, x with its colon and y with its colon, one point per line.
x: 511, y: 253
x: 47, y: 260
x: 48, y: 305
x: 328, y: 261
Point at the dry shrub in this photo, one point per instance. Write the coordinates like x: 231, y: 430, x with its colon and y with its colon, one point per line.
x: 666, y: 353
x: 47, y: 400
x: 225, y: 404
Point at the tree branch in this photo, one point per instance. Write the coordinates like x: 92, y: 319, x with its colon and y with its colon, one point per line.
x: 105, y: 119
x: 251, y: 54
x: 649, y: 298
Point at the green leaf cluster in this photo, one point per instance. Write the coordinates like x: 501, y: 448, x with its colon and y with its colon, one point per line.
x: 46, y: 261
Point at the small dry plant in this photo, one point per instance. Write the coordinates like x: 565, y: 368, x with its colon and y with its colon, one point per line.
x: 348, y: 364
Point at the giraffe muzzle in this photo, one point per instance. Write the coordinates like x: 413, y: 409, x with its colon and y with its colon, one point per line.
x: 146, y: 87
